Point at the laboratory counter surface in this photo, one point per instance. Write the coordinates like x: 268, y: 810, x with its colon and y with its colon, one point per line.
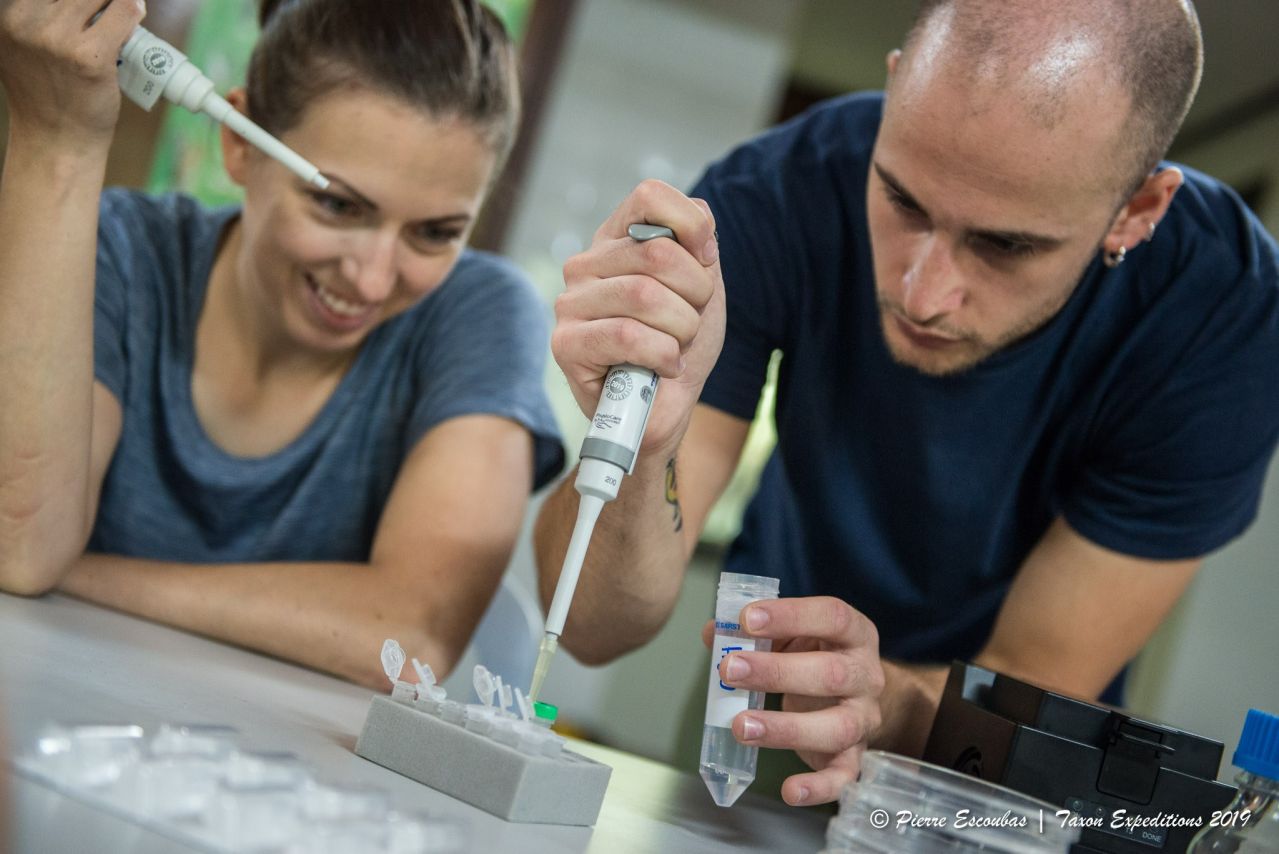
x: 65, y: 661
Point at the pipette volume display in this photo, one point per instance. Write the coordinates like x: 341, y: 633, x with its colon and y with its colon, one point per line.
x: 151, y: 67
x: 608, y: 453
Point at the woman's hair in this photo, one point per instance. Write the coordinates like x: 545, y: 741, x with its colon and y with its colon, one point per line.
x: 450, y: 57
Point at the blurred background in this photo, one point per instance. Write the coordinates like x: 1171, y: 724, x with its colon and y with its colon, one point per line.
x: 621, y: 90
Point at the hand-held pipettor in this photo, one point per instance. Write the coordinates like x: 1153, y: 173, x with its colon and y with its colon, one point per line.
x: 151, y: 67
x: 608, y: 453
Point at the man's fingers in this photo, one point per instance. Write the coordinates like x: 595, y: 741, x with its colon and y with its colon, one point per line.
x: 658, y: 203
x: 708, y: 633
x: 809, y: 674
x: 818, y: 787
x: 831, y: 730
x: 710, y: 253
x: 639, y: 297
x: 822, y: 617
x: 667, y: 262
x: 612, y: 341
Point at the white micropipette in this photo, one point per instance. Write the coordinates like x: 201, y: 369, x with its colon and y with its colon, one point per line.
x: 608, y: 452
x: 151, y: 67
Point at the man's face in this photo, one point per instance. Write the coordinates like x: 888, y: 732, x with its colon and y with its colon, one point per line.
x: 982, y: 217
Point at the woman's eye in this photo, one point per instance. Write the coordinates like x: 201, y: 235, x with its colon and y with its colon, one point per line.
x: 334, y: 205
x: 439, y: 233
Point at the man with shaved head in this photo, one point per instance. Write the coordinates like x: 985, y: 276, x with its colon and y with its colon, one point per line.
x: 1029, y: 375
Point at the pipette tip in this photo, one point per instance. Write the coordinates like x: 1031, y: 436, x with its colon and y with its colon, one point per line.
x: 550, y: 641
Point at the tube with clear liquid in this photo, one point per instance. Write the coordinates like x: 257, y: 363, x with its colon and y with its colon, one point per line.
x: 1250, y: 823
x: 728, y: 766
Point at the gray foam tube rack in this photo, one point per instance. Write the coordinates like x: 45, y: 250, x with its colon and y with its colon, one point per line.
x: 497, y: 778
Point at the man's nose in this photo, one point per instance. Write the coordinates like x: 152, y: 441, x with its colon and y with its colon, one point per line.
x: 933, y: 284
x: 371, y: 266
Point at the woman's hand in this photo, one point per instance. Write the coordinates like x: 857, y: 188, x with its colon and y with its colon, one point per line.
x: 657, y: 304
x: 58, y: 66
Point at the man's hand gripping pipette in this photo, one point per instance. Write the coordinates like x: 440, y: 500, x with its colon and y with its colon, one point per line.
x: 608, y: 453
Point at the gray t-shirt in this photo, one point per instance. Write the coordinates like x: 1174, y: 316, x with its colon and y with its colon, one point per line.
x: 477, y: 344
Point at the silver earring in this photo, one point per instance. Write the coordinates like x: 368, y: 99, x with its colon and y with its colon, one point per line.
x: 1114, y: 259
x: 1150, y: 233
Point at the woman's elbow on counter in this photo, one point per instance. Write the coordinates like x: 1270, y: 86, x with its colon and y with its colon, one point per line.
x: 22, y: 576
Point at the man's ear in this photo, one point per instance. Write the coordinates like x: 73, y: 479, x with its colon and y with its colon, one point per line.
x: 894, y: 57
x: 1145, y: 208
x: 235, y: 151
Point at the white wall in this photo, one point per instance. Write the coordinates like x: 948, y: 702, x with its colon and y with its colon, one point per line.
x: 646, y: 89
x: 1218, y: 654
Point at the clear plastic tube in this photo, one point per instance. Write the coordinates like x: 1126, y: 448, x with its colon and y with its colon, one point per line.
x: 179, y: 771
x: 90, y: 755
x: 874, y: 814
x: 1250, y: 823
x: 727, y: 766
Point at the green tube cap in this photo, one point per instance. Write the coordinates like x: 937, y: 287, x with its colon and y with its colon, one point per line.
x: 545, y: 711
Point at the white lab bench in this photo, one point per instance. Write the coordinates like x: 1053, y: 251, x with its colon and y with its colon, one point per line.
x: 62, y: 660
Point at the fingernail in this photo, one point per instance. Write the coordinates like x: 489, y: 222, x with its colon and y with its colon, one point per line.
x: 756, y: 619
x: 752, y: 729
x: 710, y: 252
x: 802, y: 796
x: 736, y: 668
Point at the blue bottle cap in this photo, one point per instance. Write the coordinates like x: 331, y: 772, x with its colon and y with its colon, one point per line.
x: 1258, y: 750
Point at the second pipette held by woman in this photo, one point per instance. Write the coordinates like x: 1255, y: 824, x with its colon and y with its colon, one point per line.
x: 150, y: 68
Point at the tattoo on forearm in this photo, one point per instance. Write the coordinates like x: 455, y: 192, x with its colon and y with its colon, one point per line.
x: 672, y: 495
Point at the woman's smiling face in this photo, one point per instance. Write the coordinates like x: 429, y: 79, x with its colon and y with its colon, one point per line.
x: 325, y: 267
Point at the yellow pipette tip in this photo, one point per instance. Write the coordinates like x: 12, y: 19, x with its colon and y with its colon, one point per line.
x: 545, y: 651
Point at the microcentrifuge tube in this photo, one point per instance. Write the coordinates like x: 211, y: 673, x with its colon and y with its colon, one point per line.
x: 392, y: 659
x: 728, y: 766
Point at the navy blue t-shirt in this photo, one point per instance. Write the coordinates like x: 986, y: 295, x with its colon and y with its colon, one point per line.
x: 474, y: 345
x: 1145, y: 412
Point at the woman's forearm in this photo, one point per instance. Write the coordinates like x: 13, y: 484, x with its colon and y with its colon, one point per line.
x: 48, y: 235
x: 328, y: 616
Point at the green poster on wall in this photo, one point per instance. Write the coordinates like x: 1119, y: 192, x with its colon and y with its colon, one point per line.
x: 187, y: 153
x: 188, y: 156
